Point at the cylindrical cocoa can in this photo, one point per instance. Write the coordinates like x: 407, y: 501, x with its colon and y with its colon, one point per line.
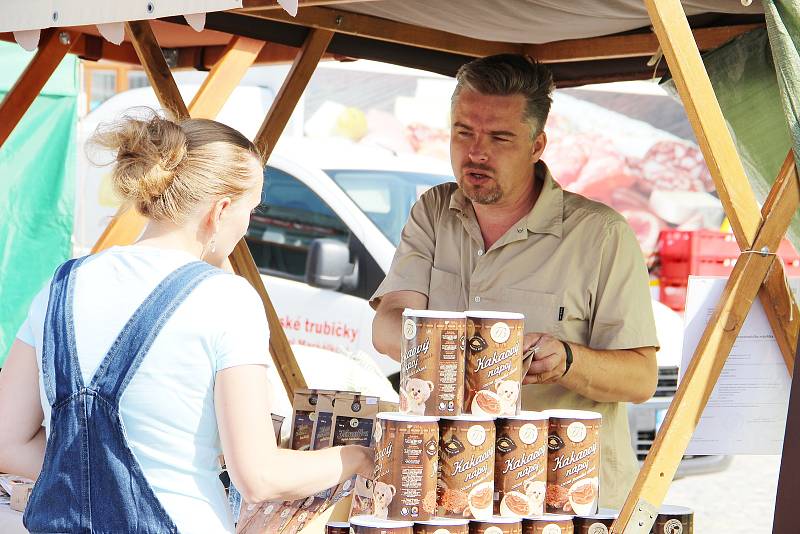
x: 466, y: 466
x: 432, y: 362
x: 573, y: 476
x: 520, y: 468
x: 548, y: 524
x: 337, y: 527
x: 599, y: 523
x: 674, y: 520
x: 496, y: 525
x: 367, y: 524
x: 493, y: 372
x: 442, y: 525
x: 406, y: 455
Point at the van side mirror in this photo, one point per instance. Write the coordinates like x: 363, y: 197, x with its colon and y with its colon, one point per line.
x: 328, y: 265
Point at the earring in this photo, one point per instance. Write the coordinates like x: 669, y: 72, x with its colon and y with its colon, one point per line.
x: 213, y: 245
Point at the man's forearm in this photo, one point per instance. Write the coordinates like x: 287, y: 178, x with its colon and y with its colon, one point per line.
x: 627, y: 375
x: 386, y: 328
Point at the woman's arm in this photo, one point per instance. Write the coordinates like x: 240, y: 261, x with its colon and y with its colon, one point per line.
x: 259, y: 469
x: 22, y: 437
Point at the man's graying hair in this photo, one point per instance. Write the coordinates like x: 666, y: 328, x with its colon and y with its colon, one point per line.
x: 511, y: 74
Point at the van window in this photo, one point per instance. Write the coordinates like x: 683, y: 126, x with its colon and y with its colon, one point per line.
x: 386, y: 196
x: 290, y: 216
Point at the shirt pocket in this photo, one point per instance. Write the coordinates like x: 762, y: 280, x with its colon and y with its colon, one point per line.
x: 445, y: 291
x: 538, y: 307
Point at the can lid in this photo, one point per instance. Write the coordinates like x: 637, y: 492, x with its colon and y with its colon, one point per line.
x: 603, y: 513
x: 572, y: 414
x: 548, y: 517
x: 668, y: 509
x: 526, y: 416
x: 406, y: 418
x: 469, y: 417
x: 340, y: 524
x: 485, y: 314
x: 444, y: 522
x: 499, y: 519
x: 372, y: 521
x: 433, y: 314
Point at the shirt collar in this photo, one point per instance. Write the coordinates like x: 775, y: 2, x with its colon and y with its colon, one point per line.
x: 546, y: 216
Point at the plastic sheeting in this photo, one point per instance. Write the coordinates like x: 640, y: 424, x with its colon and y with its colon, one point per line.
x: 744, y: 78
x: 36, y: 190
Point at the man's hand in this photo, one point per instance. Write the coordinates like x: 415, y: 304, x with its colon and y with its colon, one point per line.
x: 549, y: 361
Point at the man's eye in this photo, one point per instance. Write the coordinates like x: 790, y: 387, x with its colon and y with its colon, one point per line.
x: 501, y: 139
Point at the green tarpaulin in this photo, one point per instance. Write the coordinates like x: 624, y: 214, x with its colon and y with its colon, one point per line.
x: 36, y: 189
x: 758, y: 100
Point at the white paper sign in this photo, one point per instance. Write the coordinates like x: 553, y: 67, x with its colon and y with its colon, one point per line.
x: 746, y: 413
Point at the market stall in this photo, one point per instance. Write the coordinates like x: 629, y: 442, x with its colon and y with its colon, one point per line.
x: 592, y: 42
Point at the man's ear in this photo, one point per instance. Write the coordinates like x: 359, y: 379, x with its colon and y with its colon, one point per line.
x: 539, y: 144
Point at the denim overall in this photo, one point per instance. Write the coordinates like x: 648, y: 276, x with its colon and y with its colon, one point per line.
x: 90, y: 481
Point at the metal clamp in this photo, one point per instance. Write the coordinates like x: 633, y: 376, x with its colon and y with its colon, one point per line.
x: 642, y: 519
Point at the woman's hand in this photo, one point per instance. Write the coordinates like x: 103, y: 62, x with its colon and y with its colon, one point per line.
x: 365, y: 462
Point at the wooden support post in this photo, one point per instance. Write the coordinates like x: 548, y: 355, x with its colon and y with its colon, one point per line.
x: 719, y: 150
x: 53, y: 46
x: 156, y: 68
x: 754, y: 230
x: 788, y: 494
x: 278, y: 116
x: 224, y: 77
x: 296, y: 81
x: 707, y: 362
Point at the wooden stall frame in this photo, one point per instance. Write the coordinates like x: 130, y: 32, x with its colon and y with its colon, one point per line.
x: 758, y: 232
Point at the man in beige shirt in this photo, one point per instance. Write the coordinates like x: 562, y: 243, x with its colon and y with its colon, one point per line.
x: 507, y: 237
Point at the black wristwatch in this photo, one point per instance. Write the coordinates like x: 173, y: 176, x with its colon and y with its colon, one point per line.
x: 568, y: 350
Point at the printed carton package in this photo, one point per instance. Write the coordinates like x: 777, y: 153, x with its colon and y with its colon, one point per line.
x: 345, y: 418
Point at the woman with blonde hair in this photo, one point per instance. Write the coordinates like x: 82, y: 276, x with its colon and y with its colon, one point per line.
x: 138, y: 366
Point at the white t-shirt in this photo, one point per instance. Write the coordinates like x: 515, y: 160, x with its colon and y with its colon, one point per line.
x: 168, y: 407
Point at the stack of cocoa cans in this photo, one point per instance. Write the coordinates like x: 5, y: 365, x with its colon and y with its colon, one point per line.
x: 461, y: 457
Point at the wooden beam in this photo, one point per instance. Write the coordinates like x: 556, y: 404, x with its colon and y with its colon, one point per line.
x: 296, y: 81
x: 239, y: 56
x: 277, y: 117
x: 248, y: 5
x: 631, y: 45
x: 753, y: 232
x: 719, y: 151
x: 123, y: 229
x: 387, y: 30
x: 282, y: 354
x: 156, y: 68
x: 778, y: 302
x: 707, y: 362
x: 788, y: 491
x: 27, y: 87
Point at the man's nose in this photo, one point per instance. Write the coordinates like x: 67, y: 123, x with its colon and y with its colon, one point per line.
x: 477, y: 151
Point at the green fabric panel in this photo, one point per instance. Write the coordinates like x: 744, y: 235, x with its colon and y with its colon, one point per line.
x: 783, y: 29
x: 37, y: 197
x: 744, y: 80
x: 63, y: 82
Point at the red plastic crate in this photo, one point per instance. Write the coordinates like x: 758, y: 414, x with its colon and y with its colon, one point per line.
x: 703, y: 253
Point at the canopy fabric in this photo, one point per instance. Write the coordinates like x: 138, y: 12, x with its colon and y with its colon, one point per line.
x: 21, y: 15
x: 517, y: 21
x: 532, y: 21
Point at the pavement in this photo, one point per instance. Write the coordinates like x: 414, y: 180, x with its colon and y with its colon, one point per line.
x: 738, y: 500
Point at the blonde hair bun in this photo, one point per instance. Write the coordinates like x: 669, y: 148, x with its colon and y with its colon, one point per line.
x: 165, y: 169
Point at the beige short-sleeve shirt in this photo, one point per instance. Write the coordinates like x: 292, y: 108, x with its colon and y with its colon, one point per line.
x: 572, y: 266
